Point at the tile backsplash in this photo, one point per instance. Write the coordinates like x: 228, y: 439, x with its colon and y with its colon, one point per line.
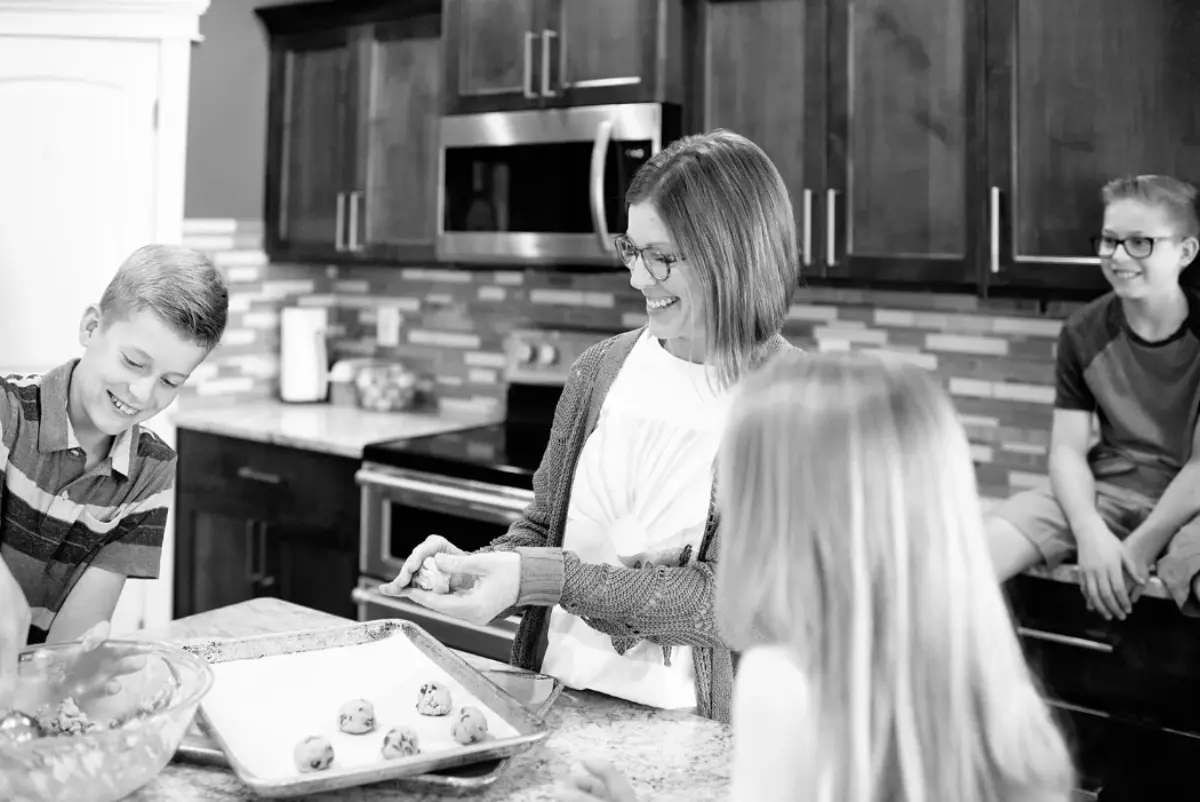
x: 995, y: 358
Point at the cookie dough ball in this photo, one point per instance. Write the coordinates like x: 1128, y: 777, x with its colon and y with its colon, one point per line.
x: 356, y: 716
x: 470, y: 726
x: 431, y: 578
x: 433, y: 700
x: 314, y: 753
x: 400, y: 742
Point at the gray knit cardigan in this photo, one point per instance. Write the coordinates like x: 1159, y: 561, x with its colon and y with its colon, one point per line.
x: 669, y: 606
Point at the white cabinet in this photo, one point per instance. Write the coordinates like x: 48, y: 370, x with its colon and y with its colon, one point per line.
x: 93, y: 125
x: 93, y: 117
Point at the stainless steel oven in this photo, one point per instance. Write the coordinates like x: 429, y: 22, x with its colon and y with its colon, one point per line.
x: 400, y: 508
x: 545, y: 185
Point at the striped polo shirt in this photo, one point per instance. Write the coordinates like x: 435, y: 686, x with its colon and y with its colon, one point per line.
x: 56, y: 518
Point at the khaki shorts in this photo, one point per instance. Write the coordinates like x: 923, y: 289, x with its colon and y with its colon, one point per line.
x: 1038, y: 516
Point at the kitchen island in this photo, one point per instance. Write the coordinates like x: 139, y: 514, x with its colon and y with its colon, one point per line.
x: 668, y: 755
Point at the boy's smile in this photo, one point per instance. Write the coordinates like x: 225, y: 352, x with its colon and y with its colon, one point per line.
x: 132, y: 368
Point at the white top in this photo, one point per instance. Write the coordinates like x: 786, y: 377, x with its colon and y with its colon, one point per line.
x: 773, y: 740
x: 640, y: 497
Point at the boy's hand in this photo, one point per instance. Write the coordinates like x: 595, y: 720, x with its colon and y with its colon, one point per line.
x: 598, y: 782
x: 14, y: 630
x: 1103, y: 563
x: 1143, y: 556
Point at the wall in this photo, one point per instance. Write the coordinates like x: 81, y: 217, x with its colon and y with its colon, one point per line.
x: 996, y: 358
x: 227, y: 113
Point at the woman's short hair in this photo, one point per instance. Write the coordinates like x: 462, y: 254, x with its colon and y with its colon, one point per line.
x: 729, y: 213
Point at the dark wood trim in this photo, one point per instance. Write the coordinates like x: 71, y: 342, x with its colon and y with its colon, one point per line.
x: 275, y: 150
x: 816, y: 131
x: 282, y: 20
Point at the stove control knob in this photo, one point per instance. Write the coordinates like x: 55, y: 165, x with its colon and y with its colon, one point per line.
x: 547, y: 354
x: 525, y: 352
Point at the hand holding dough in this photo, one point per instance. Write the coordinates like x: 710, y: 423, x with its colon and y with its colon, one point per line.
x: 356, y: 716
x: 431, y: 578
x: 314, y: 753
x: 400, y: 742
x: 433, y: 700
x: 470, y: 726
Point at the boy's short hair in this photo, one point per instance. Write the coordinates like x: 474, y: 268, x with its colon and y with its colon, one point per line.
x: 180, y: 285
x: 1176, y: 196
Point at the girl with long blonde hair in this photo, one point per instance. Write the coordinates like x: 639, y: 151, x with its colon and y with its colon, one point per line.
x: 879, y: 662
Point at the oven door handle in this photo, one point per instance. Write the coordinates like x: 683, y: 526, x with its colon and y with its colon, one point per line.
x: 362, y: 596
x: 419, y: 494
x: 596, y: 184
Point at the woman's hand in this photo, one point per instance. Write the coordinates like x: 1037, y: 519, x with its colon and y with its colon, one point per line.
x: 494, y: 580
x: 598, y: 781
x: 14, y: 630
x: 434, y: 544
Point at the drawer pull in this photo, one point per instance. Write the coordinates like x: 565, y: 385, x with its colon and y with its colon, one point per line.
x: 252, y: 475
x: 1066, y: 640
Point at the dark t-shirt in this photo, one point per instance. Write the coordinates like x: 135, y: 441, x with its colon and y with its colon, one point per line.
x: 1146, y: 395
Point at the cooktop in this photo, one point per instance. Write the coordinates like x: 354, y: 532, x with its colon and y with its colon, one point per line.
x: 502, y: 453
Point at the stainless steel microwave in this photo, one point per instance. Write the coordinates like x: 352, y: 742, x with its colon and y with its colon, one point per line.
x: 543, y: 186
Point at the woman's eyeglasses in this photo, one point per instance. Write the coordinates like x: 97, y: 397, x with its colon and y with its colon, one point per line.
x: 1136, y: 247
x: 658, y: 264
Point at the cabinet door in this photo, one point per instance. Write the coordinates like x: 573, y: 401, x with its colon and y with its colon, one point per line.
x: 312, y: 566
x: 763, y: 78
x: 77, y: 183
x: 491, y: 59
x: 896, y: 206
x: 217, y: 557
x: 393, y: 209
x: 312, y: 149
x: 616, y: 51
x: 1081, y: 91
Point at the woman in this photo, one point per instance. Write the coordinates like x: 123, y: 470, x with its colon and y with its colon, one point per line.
x: 879, y: 661
x: 614, y: 559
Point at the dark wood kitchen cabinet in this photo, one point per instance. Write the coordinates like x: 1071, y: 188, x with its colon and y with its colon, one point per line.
x: 1079, y: 92
x: 355, y: 95
x: 508, y: 55
x: 253, y: 519
x: 952, y: 143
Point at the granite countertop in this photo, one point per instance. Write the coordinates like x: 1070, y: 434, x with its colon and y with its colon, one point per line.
x: 340, y: 430
x: 668, y: 755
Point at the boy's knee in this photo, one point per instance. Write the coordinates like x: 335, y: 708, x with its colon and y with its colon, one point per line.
x: 1011, y: 551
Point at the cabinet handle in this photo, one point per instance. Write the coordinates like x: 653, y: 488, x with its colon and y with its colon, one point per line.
x: 596, y: 184
x: 528, y: 84
x: 806, y: 226
x: 251, y: 551
x: 994, y: 228
x: 547, y: 36
x: 1066, y: 640
x: 246, y: 472
x: 353, y: 236
x: 265, y: 580
x: 831, y: 226
x: 340, y: 231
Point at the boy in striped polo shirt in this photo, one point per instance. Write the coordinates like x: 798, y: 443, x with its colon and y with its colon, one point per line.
x: 85, y: 488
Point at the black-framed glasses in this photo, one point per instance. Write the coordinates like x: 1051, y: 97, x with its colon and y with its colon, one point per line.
x: 1137, y: 247
x: 657, y: 263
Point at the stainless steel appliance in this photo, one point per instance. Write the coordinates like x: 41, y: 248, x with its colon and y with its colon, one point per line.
x: 467, y: 486
x: 1128, y: 692
x: 546, y: 185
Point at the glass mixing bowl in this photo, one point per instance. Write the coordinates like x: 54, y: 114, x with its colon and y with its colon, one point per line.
x: 156, y: 705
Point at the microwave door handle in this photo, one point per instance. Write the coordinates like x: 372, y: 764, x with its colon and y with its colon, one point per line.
x: 596, y: 184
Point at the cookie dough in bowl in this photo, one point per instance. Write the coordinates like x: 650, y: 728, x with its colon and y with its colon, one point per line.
x: 98, y: 747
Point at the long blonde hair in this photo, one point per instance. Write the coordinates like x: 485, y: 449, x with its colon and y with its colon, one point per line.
x: 729, y: 213
x: 852, y: 534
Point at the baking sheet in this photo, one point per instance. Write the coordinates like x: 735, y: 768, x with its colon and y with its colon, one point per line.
x: 537, y: 692
x: 272, y: 691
